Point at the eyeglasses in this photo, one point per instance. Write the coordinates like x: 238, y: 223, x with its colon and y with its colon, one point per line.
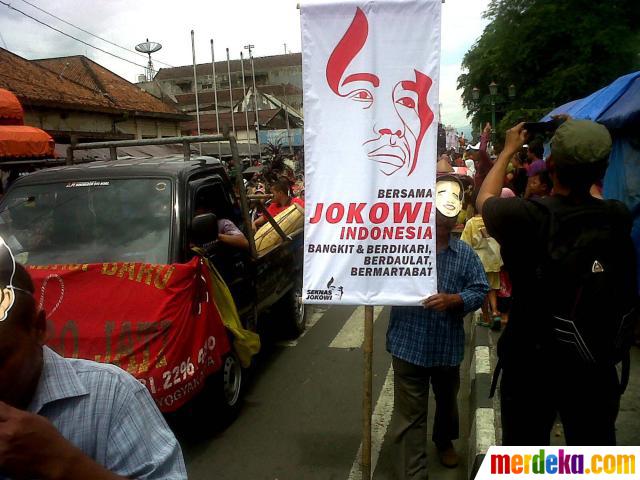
x: 18, y: 289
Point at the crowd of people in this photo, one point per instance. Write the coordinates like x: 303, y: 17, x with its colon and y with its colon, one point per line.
x: 553, y: 259
x: 526, y: 177
x: 574, y: 293
x: 522, y: 179
x: 278, y: 180
x: 269, y: 171
x: 539, y: 251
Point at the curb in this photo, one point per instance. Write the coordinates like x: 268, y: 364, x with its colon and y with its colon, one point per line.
x: 482, y: 433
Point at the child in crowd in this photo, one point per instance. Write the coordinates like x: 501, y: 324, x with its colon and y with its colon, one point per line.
x: 476, y: 235
x: 504, y: 294
x: 539, y: 185
x: 517, y: 179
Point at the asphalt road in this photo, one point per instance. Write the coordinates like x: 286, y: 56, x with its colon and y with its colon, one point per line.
x: 302, y: 411
x: 628, y: 421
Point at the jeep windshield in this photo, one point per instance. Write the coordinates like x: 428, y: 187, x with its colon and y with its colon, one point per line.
x: 89, y: 221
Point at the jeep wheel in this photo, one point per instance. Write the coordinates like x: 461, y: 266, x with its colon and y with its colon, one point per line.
x: 299, y: 319
x: 290, y: 313
x: 229, y: 386
x: 231, y: 380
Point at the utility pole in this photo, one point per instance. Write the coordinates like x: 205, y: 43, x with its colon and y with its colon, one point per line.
x: 233, y: 123
x: 286, y: 116
x: 244, y: 104
x: 195, y: 86
x: 250, y: 47
x: 215, y: 98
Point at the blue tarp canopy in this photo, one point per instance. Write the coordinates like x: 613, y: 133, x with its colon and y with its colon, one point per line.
x: 617, y: 107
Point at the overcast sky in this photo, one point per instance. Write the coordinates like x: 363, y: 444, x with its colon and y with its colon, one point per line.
x: 268, y: 24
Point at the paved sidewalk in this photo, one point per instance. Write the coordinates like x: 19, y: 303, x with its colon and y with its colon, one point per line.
x: 484, y: 413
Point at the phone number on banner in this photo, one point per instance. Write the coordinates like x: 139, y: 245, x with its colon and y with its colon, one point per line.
x: 183, y: 379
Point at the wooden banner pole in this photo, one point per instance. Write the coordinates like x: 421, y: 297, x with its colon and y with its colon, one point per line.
x: 365, y: 461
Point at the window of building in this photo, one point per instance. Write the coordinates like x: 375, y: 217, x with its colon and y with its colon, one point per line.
x: 184, y: 86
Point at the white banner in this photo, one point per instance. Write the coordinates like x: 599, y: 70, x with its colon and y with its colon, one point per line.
x: 370, y: 73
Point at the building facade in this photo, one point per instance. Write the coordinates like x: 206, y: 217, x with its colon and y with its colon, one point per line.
x: 277, y: 96
x: 271, y: 74
x: 76, y: 99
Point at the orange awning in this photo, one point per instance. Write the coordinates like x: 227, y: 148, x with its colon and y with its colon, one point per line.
x: 18, y: 141
x: 11, y: 112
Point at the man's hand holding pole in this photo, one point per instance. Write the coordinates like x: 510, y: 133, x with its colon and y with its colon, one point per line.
x: 443, y: 301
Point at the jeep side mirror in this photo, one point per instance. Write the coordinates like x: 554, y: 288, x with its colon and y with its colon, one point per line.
x: 204, y: 229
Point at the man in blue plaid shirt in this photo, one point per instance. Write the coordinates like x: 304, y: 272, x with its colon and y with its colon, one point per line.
x: 427, y: 344
x: 69, y: 418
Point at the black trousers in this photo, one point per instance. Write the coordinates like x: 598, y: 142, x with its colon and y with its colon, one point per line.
x: 409, y: 426
x: 587, y: 400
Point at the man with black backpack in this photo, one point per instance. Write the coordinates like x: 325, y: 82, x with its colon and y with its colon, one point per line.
x: 572, y: 266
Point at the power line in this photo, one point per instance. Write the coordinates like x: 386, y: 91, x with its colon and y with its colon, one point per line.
x: 71, y: 36
x: 92, y: 34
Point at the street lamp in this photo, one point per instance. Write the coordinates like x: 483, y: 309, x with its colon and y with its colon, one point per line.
x: 493, y: 89
x: 493, y: 100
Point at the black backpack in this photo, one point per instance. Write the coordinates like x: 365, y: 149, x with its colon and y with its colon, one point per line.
x: 587, y: 273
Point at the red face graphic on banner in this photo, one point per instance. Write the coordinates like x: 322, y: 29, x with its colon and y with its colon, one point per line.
x: 400, y: 112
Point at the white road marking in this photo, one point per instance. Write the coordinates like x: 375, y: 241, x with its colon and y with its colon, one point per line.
x: 379, y: 424
x: 352, y: 333
x: 316, y: 314
x: 485, y: 429
x: 482, y: 360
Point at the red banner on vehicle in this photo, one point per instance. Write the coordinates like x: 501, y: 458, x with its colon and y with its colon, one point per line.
x: 158, y: 322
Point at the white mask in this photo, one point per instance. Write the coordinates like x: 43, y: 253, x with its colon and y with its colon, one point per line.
x: 448, y: 198
x: 7, y: 290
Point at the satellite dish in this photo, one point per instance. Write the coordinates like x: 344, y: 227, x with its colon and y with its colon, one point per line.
x: 149, y: 48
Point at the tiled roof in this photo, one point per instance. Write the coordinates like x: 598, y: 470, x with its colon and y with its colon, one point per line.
x: 82, y: 85
x: 71, y: 68
x: 31, y: 82
x: 261, y: 64
x: 93, y: 76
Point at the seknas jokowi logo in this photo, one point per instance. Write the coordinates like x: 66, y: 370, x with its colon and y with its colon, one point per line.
x: 332, y: 292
